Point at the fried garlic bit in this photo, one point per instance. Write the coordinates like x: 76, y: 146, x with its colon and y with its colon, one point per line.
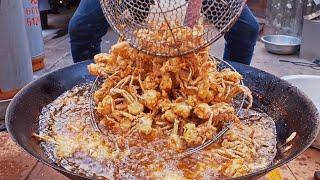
x: 187, y: 98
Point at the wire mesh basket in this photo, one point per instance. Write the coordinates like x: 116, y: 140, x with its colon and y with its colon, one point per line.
x: 171, y: 27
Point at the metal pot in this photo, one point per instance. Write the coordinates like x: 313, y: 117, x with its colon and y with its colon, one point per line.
x: 281, y: 44
x: 291, y: 109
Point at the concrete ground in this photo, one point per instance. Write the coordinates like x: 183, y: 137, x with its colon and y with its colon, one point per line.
x: 16, y: 164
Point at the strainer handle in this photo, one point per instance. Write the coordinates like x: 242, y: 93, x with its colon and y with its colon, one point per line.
x: 193, y: 12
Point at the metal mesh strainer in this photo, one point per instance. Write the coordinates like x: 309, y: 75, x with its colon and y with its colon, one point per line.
x: 172, y: 28
x: 137, y: 20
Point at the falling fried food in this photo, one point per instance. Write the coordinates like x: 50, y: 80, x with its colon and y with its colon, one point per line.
x: 187, y: 98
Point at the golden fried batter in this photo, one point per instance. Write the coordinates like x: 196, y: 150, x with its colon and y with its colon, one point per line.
x: 155, y: 93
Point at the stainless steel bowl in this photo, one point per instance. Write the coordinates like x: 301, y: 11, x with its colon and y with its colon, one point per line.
x: 281, y: 44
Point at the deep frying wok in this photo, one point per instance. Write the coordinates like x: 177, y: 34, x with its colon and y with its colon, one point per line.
x: 291, y: 109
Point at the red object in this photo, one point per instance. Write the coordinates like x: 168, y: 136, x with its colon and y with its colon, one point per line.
x: 193, y: 12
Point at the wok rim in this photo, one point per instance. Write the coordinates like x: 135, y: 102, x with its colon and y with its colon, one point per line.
x: 23, y: 146
x: 65, y: 172
x: 273, y: 166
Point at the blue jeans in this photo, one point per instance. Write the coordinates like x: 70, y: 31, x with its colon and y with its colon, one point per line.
x: 241, y: 38
x: 86, y: 28
x: 88, y: 25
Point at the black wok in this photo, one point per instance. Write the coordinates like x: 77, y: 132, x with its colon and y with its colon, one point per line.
x: 291, y: 109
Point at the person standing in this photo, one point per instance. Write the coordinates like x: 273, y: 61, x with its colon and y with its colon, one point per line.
x: 88, y: 25
x: 86, y: 28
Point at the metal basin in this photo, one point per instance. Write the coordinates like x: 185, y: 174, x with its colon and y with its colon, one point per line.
x: 281, y: 44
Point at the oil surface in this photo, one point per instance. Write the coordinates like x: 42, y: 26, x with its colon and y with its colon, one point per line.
x: 71, y: 143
